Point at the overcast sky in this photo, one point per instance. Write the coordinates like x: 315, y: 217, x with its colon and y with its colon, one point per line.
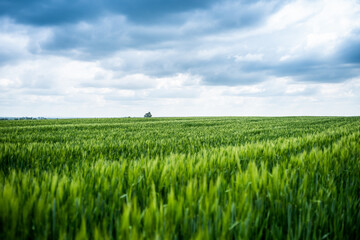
x: 111, y: 58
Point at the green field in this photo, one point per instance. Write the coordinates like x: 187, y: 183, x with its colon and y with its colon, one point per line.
x: 180, y: 178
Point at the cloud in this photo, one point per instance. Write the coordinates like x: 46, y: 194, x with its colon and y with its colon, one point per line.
x: 248, y: 57
x: 44, y: 12
x: 349, y: 50
x: 13, y: 45
x: 51, y: 13
x: 133, y: 81
x: 180, y: 93
x: 205, y: 57
x: 316, y: 71
x: 119, y: 30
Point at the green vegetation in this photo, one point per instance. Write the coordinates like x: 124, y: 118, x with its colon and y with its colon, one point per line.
x: 180, y: 178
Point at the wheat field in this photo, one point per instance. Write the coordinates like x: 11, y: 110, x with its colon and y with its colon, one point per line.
x: 180, y: 178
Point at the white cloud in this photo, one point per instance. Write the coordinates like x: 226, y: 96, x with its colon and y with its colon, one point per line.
x: 15, y: 43
x: 249, y: 57
x: 205, y: 62
x: 317, y: 26
x: 293, y: 14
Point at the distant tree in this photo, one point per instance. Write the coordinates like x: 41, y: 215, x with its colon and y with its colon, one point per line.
x: 148, y: 114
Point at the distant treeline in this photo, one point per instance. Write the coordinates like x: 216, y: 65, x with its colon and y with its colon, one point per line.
x: 22, y: 118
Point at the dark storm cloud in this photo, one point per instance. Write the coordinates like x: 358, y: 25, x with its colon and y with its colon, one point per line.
x: 224, y: 71
x: 105, y: 37
x: 178, y: 25
x: 306, y: 69
x: 52, y: 12
x: 326, y: 71
x: 145, y: 11
x: 94, y: 30
x: 49, y: 12
x: 340, y: 66
x: 349, y: 51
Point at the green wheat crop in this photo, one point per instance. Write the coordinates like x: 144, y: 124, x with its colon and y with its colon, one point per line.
x: 180, y: 178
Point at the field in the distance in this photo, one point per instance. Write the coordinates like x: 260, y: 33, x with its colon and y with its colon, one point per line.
x: 181, y: 178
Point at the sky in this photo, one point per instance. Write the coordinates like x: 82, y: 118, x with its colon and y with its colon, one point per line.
x: 119, y: 58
